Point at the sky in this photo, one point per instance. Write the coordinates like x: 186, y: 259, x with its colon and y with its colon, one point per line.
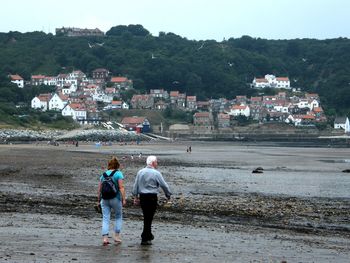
x: 193, y: 19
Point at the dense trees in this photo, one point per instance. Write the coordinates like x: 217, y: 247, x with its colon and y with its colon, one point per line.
x: 208, y: 69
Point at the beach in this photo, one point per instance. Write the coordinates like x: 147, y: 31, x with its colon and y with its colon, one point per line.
x: 296, y: 210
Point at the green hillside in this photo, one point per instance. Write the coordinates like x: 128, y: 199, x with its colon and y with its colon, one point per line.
x: 208, y: 69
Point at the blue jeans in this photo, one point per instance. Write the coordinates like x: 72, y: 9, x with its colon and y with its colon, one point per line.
x: 106, y: 206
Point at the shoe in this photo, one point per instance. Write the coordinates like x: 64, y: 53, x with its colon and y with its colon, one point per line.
x: 152, y: 237
x: 146, y: 243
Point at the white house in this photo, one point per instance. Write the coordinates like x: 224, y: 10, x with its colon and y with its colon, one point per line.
x: 282, y: 83
x: 271, y: 81
x: 41, y: 101
x: 18, y: 80
x: 56, y: 103
x: 237, y: 110
x: 303, y: 103
x: 342, y: 123
x: 69, y: 88
x: 76, y: 110
x: 281, y: 108
x: 50, y: 81
x: 313, y: 104
x: 260, y: 83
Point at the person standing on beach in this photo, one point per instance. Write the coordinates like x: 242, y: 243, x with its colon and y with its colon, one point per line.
x: 145, y: 192
x: 115, y: 202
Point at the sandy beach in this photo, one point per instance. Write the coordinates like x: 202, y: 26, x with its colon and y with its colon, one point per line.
x: 297, y: 210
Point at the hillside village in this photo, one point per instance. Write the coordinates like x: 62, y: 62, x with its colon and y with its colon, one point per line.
x: 80, y: 97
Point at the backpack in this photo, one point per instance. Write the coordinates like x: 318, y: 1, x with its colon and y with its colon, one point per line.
x: 108, y: 189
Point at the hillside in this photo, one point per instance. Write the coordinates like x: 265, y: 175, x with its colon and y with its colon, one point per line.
x: 207, y: 68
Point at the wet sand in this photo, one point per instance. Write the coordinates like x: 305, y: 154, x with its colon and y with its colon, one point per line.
x: 297, y: 210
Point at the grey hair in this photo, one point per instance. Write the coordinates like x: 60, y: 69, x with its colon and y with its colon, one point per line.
x: 151, y: 159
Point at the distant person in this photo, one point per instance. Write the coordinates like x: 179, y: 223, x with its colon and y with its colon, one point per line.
x: 145, y: 191
x: 111, y: 200
x: 190, y: 149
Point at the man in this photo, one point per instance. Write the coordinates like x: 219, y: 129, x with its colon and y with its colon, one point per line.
x: 145, y: 191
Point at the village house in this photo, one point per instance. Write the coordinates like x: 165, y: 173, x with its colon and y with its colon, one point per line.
x: 174, y: 96
x: 241, y: 99
x: 204, y: 105
x: 50, y: 81
x: 68, y: 89
x: 138, y: 124
x: 18, y: 80
x: 342, y: 123
x: 255, y: 111
x: 56, y: 103
x: 142, y: 101
x: 78, y: 32
x: 41, y: 101
x: 223, y: 120
x: 271, y: 81
x: 37, y: 80
x: 203, y: 119
x: 177, y: 99
x: 216, y: 105
x: 237, y: 110
x: 121, y: 82
x: 76, y: 110
x: 260, y: 83
x: 256, y: 100
x: 160, y: 105
x: 191, y: 102
x: 159, y: 93
x: 118, y: 104
x: 100, y: 73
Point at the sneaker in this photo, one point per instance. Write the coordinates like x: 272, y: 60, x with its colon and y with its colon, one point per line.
x: 146, y: 243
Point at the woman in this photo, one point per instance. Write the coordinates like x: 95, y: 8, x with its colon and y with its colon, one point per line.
x: 114, y: 203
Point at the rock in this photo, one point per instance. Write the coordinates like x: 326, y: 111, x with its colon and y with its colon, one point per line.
x: 346, y: 171
x: 258, y: 170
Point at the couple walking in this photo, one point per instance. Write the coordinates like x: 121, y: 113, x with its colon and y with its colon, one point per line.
x: 145, y: 192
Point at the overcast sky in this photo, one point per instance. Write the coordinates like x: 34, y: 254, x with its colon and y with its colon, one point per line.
x: 193, y: 19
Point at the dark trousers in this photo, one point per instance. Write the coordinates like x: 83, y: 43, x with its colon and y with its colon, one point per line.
x: 148, y: 204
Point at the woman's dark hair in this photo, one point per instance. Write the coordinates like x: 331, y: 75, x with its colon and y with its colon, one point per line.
x: 113, y: 164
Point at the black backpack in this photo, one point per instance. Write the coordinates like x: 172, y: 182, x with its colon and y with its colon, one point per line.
x: 108, y: 189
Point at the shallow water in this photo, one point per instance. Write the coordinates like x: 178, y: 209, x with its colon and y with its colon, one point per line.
x: 289, y: 183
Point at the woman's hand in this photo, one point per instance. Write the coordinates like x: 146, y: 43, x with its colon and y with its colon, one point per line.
x: 123, y: 202
x: 136, y: 201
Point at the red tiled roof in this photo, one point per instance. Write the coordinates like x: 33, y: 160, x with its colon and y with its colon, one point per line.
x: 117, y: 102
x: 308, y: 116
x: 191, y: 98
x: 256, y: 98
x: 77, y: 106
x: 133, y: 120
x: 63, y: 97
x: 44, y: 97
x: 16, y: 77
x: 317, y: 109
x: 239, y: 107
x: 38, y: 76
x: 119, y: 79
x: 201, y: 115
x: 282, y: 79
x: 261, y: 80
